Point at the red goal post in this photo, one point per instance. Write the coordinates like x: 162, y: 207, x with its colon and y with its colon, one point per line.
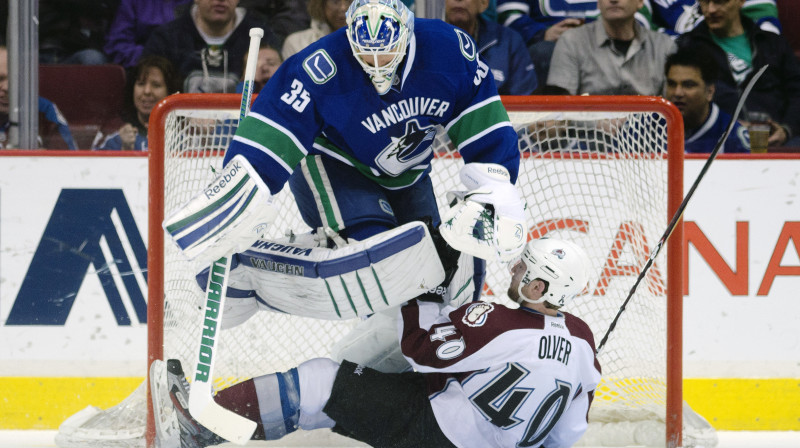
x: 568, y: 144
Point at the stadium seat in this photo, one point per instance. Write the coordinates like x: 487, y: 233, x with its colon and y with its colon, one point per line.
x: 789, y: 15
x: 89, y: 96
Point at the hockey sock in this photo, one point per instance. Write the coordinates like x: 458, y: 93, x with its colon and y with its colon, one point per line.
x: 271, y: 400
x: 274, y: 402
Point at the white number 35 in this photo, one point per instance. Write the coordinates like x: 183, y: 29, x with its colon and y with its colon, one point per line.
x: 481, y: 73
x: 298, y: 97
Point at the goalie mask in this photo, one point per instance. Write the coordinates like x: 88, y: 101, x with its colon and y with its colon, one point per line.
x: 379, y: 31
x: 561, y: 264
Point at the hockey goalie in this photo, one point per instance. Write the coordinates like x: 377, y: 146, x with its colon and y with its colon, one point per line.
x: 361, y: 181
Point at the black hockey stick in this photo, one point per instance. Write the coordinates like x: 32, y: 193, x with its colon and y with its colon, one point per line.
x: 682, y: 207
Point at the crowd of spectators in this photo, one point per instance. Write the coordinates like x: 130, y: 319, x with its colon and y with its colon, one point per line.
x: 613, y: 55
x: 595, y: 47
x: 739, y: 48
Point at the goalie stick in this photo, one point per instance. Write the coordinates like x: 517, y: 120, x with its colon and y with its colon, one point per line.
x: 682, y: 207
x: 202, y: 407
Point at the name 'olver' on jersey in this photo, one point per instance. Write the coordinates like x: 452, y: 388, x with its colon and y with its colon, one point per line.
x: 405, y: 109
x: 555, y: 347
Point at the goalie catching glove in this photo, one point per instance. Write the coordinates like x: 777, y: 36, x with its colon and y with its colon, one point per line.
x: 488, y: 220
x: 229, y: 215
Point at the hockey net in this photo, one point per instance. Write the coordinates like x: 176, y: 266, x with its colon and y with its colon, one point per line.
x: 605, y: 172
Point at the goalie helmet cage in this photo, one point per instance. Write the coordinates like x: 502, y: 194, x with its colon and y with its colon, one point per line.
x: 605, y: 172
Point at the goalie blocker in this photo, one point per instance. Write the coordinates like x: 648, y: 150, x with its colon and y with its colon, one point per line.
x: 354, y: 280
x: 228, y: 216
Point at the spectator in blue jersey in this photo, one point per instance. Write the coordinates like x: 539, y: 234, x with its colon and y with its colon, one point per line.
x: 541, y: 24
x: 326, y: 16
x: 269, y: 59
x: 153, y: 79
x: 614, y: 55
x: 135, y: 20
x: 52, y: 124
x: 739, y: 49
x: 207, y: 45
x: 676, y: 17
x: 499, y: 47
x: 691, y: 74
x: 485, y: 375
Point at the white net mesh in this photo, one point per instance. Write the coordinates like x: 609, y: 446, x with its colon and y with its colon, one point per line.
x: 121, y: 426
x: 597, y: 178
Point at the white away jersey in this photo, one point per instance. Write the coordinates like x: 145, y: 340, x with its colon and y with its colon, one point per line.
x: 503, y: 377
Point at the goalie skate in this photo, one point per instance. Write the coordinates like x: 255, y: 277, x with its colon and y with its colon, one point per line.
x: 190, y: 433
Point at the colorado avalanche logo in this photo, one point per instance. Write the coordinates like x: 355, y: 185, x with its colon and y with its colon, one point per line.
x: 477, y: 313
x: 408, y: 150
x: 559, y: 253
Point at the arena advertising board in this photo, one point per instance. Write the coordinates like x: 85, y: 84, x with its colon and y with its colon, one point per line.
x: 73, y: 268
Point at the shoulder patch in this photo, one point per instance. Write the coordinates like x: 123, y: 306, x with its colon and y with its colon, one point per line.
x: 319, y: 66
x: 477, y: 313
x: 468, y: 47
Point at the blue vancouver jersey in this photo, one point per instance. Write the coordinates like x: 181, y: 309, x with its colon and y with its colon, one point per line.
x: 705, y: 138
x: 676, y: 17
x: 532, y: 18
x: 320, y: 101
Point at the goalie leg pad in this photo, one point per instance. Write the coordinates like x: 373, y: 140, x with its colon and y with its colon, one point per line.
x: 462, y: 286
x: 351, y: 281
x: 374, y: 343
x: 228, y: 216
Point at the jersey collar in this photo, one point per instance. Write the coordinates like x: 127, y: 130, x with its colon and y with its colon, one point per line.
x: 713, y: 115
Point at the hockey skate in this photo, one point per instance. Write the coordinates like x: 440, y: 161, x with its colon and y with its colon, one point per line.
x: 190, y: 434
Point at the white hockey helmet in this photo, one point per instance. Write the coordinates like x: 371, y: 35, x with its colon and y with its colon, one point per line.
x: 562, y: 264
x: 379, y: 28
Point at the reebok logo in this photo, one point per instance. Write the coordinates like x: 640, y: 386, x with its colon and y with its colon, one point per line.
x: 223, y: 180
x: 498, y: 171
